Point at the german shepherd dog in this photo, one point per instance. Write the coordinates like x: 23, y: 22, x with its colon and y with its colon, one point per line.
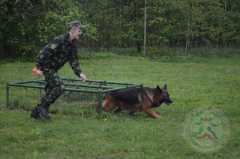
x: 136, y: 99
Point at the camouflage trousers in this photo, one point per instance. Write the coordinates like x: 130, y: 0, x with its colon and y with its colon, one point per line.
x: 54, y: 86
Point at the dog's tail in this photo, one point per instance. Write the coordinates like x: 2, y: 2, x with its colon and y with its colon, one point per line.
x: 93, y: 105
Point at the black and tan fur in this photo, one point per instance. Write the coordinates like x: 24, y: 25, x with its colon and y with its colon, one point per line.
x: 137, y: 99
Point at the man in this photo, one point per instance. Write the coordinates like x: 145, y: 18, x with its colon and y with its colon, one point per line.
x: 50, y: 59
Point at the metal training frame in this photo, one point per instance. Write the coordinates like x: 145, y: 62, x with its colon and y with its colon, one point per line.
x: 101, y: 85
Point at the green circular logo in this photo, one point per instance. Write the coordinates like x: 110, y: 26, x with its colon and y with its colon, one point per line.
x: 206, y: 130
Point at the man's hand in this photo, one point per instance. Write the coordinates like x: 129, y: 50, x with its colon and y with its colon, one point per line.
x: 39, y: 73
x: 83, y: 77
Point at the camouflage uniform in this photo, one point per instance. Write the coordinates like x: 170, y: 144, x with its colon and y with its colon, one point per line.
x: 50, y: 59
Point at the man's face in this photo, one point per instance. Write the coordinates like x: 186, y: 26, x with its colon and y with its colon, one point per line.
x: 76, y: 32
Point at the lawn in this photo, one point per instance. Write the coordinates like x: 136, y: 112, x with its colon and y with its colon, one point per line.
x: 75, y: 131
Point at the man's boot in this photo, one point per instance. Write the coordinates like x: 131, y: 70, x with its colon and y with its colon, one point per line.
x: 35, y: 114
x: 43, y: 109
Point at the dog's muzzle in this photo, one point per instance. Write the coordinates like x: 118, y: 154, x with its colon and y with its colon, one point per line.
x: 167, y: 102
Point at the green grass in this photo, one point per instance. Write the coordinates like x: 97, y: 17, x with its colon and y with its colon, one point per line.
x: 78, y: 132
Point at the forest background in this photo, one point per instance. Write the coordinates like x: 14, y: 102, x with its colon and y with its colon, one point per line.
x: 28, y: 25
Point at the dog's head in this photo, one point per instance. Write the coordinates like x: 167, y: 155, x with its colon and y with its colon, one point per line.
x: 164, y: 95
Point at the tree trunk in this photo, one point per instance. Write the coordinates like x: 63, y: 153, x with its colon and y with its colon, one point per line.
x: 145, y: 29
x: 187, y: 41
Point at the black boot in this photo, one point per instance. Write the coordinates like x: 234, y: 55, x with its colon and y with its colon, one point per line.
x: 43, y: 109
x: 35, y: 114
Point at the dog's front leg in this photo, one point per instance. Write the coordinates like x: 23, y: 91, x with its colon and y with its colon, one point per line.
x: 118, y: 110
x: 152, y: 113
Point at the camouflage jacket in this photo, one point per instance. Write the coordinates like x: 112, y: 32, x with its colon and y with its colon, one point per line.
x: 57, y: 53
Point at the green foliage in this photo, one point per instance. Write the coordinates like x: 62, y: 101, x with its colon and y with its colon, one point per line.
x: 98, y: 56
x: 28, y: 25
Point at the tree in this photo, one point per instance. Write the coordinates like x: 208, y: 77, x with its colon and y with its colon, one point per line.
x: 27, y: 25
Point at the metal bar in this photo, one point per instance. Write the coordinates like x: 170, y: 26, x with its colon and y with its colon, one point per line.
x: 32, y: 81
x: 98, y: 81
x: 70, y: 79
x: 70, y: 84
x: 90, y: 86
x: 120, y: 88
x: 23, y: 85
x: 43, y: 87
x: 100, y: 102
x: 7, y: 94
x: 79, y: 90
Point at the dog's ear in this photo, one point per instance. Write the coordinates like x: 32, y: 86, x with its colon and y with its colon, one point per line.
x: 165, y: 87
x: 159, y: 90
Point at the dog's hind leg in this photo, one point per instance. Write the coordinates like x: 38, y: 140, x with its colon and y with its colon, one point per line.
x: 131, y: 112
x: 152, y: 113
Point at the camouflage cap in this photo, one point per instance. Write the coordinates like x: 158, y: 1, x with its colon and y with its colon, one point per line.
x: 75, y: 24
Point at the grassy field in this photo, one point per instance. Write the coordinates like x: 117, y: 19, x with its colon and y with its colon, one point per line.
x: 82, y: 133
